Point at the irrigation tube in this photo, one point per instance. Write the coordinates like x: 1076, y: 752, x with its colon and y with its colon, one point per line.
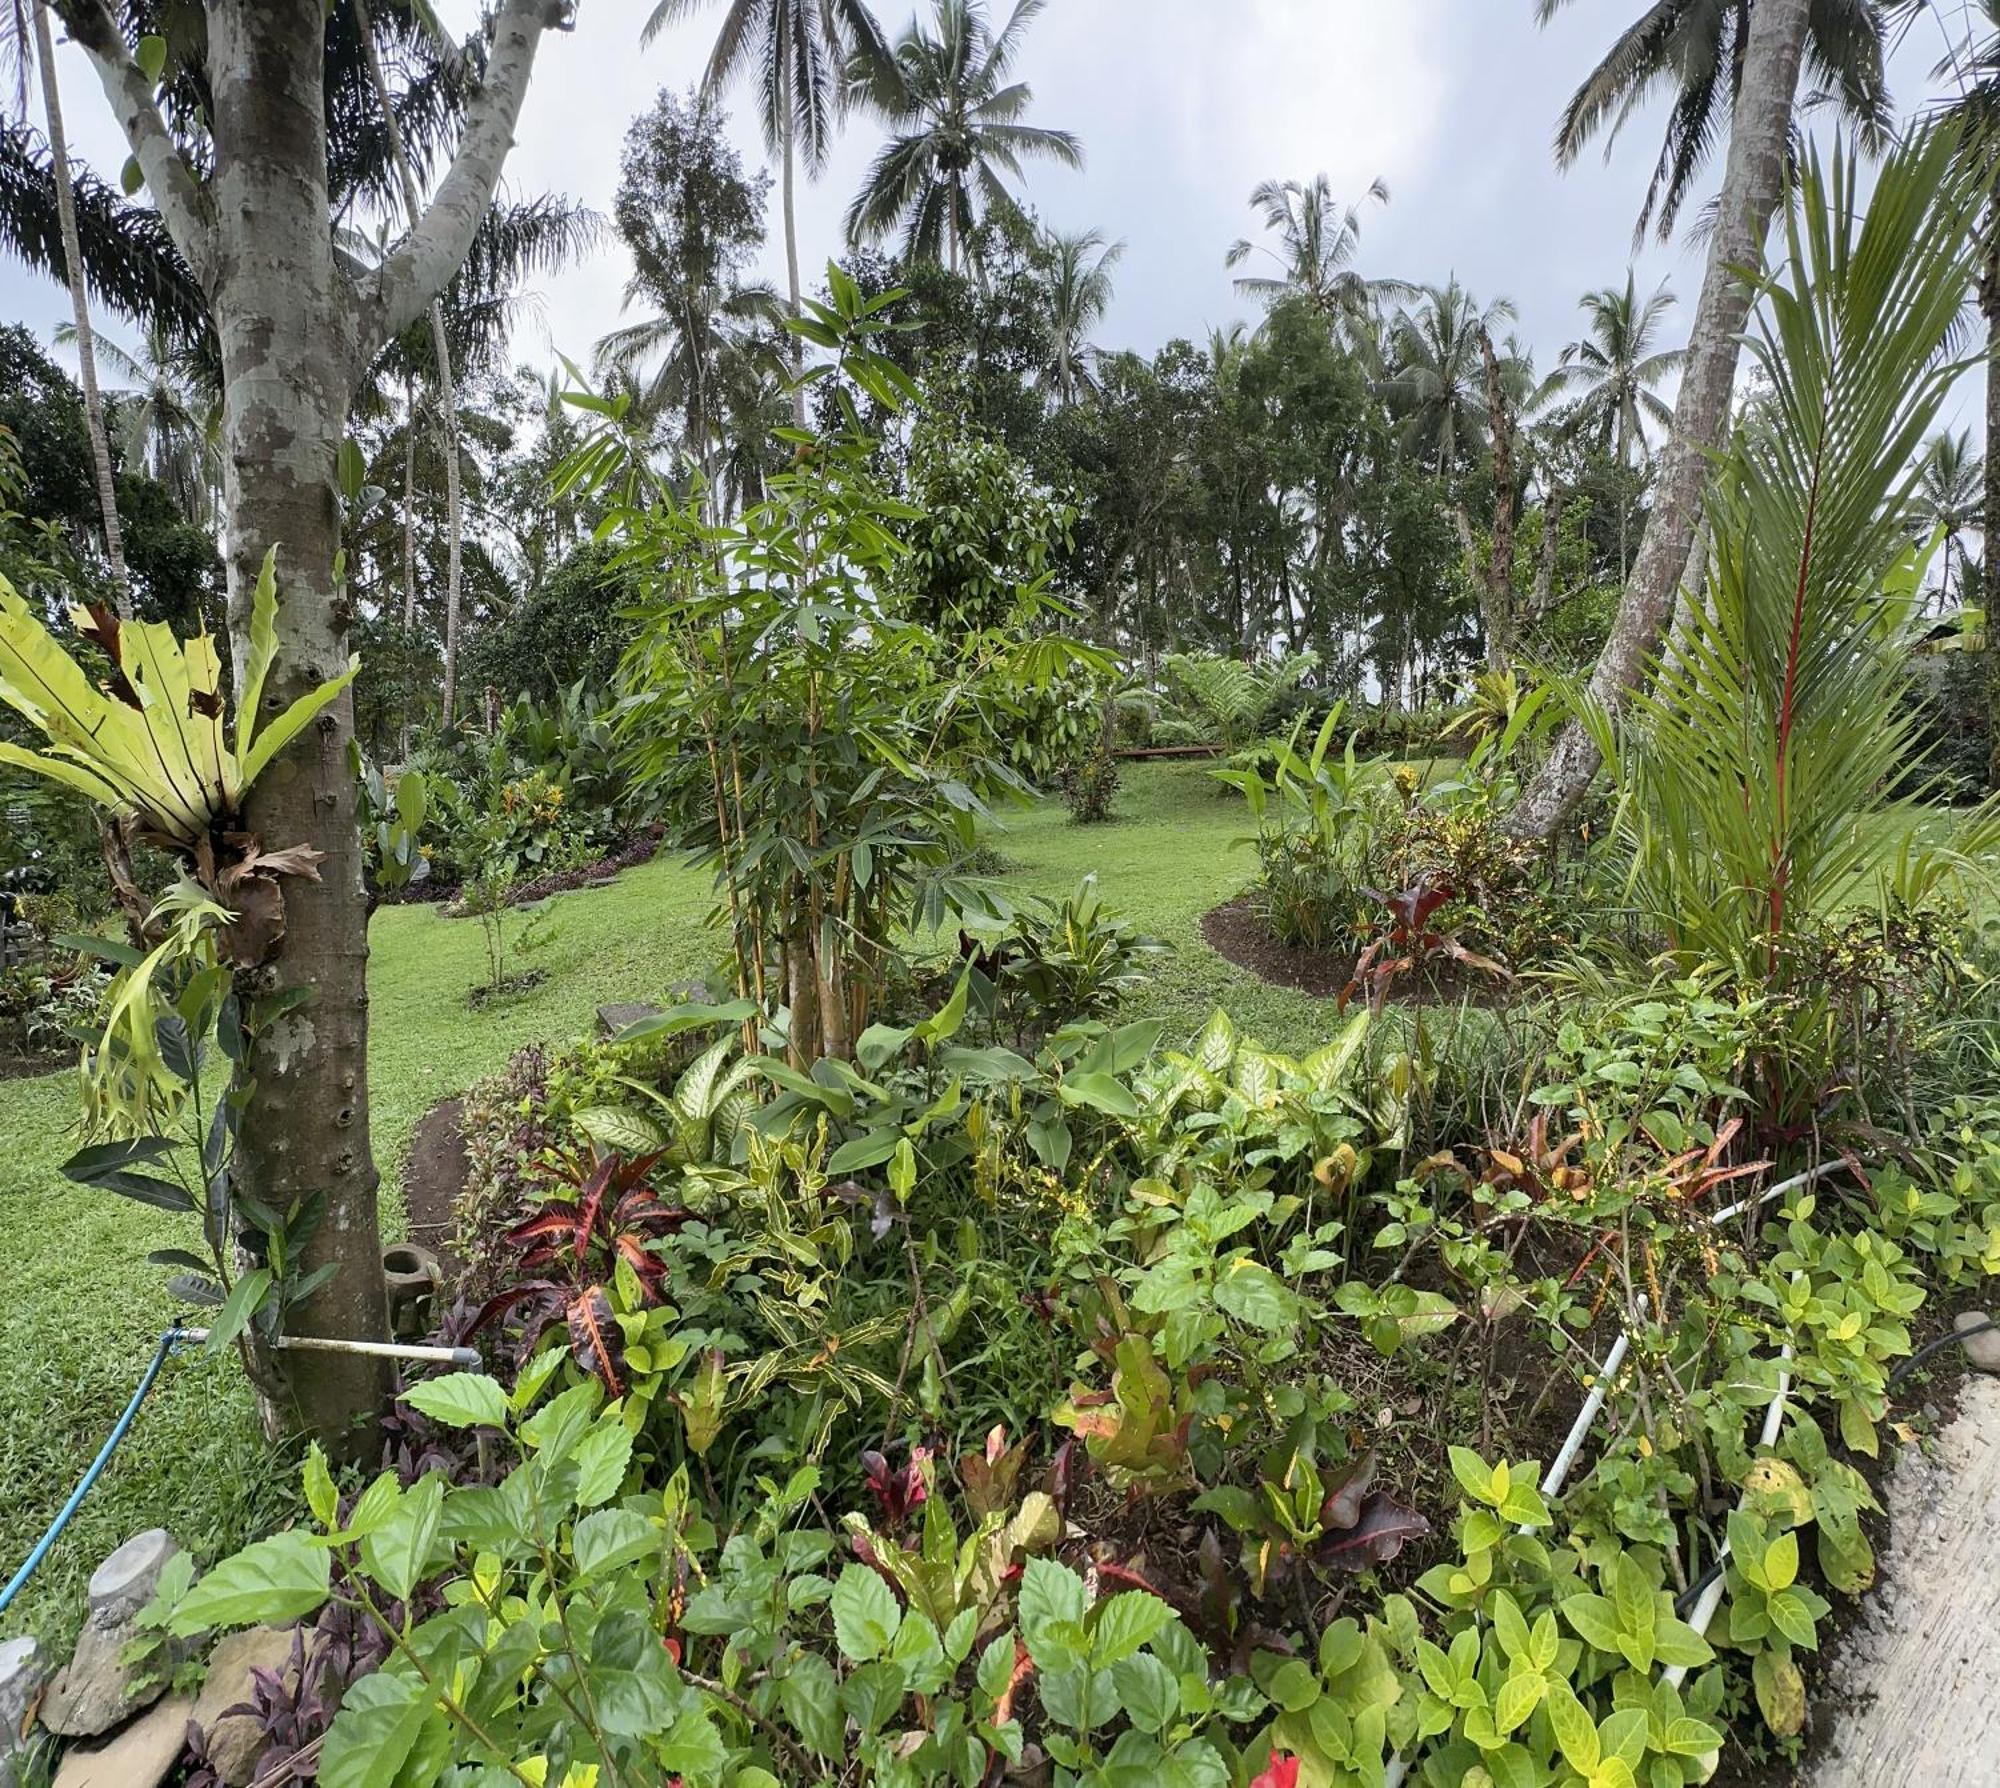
x: 179, y: 1337
x: 383, y: 1350
x: 1774, y: 1417
x: 168, y: 1342
x: 1559, y: 1468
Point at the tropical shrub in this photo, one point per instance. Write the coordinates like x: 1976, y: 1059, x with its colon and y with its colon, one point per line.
x: 830, y: 759
x: 1757, y: 773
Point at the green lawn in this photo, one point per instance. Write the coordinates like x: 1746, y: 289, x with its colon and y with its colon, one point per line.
x: 84, y: 1309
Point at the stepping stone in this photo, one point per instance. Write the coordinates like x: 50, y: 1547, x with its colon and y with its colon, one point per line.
x: 235, y: 1742
x: 22, y: 1673
x: 621, y: 1015
x: 142, y: 1756
x: 1982, y: 1351
x: 94, y: 1692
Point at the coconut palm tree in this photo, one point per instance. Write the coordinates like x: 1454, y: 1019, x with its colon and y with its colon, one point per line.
x: 1318, y: 239
x: 1078, y: 270
x: 1612, y: 375
x: 798, y: 54
x: 169, y: 416
x: 1614, y: 371
x: 1436, y: 383
x: 1694, y: 51
x: 19, y: 21
x: 1950, y: 497
x: 1975, y: 70
x: 1760, y: 139
x: 957, y: 127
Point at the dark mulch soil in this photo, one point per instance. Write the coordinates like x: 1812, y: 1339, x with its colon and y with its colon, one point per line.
x: 26, y: 1067
x: 433, y: 1177
x: 486, y: 993
x: 643, y: 847
x: 1237, y: 931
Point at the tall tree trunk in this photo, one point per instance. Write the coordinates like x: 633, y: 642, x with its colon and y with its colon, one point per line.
x: 79, y: 304
x: 1499, y: 588
x: 409, y: 543
x: 295, y: 328
x: 447, y: 384
x: 1544, y: 598
x: 286, y: 385
x: 796, y: 345
x: 1753, y: 180
x: 1989, y: 302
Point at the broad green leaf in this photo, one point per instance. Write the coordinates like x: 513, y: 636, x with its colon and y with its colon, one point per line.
x: 398, y: 1552
x: 1125, y: 1623
x: 1101, y: 1093
x: 602, y: 1457
x: 865, y: 1614
x: 1519, y: 1696
x: 271, y: 1581
x: 321, y: 1495
x: 381, y: 1722
x: 607, y: 1539
x: 460, y: 1400
x: 1575, y: 1730
x: 1254, y: 1294
x: 1147, y: 1692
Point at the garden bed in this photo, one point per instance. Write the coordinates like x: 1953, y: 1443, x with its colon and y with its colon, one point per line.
x: 1237, y: 932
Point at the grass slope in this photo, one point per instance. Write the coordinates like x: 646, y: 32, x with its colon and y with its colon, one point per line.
x: 84, y: 1309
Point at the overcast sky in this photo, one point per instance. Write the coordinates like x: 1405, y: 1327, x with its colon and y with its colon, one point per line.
x: 1182, y: 106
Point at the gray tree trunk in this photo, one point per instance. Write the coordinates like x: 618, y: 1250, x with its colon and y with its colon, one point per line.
x: 1499, y: 586
x: 1753, y: 181
x: 79, y: 303
x: 296, y: 326
x: 287, y: 376
x: 796, y: 345
x: 1989, y: 302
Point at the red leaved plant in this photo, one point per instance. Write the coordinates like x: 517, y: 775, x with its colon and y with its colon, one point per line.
x: 1408, y: 944
x: 570, y: 1249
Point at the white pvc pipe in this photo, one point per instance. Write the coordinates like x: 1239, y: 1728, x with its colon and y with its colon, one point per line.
x: 1791, y: 1185
x: 1711, y: 1598
x: 1774, y: 1415
x: 384, y: 1350
x: 1559, y: 1467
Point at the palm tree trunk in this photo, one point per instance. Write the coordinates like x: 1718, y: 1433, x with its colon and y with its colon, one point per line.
x: 1499, y: 587
x: 1759, y: 136
x: 1989, y: 302
x: 79, y: 303
x: 409, y: 543
x: 448, y: 430
x: 788, y: 183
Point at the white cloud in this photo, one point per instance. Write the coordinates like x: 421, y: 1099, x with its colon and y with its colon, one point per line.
x: 1183, y: 106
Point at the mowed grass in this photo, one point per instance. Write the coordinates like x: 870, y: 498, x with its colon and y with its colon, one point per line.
x: 83, y: 1310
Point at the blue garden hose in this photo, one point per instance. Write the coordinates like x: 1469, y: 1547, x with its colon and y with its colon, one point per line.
x: 168, y: 1342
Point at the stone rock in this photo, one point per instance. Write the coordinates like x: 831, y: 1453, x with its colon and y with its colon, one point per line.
x: 1982, y: 1351
x: 234, y: 1741
x: 22, y: 1673
x: 142, y: 1756
x: 96, y: 1690
x: 124, y: 1583
x: 620, y: 1014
